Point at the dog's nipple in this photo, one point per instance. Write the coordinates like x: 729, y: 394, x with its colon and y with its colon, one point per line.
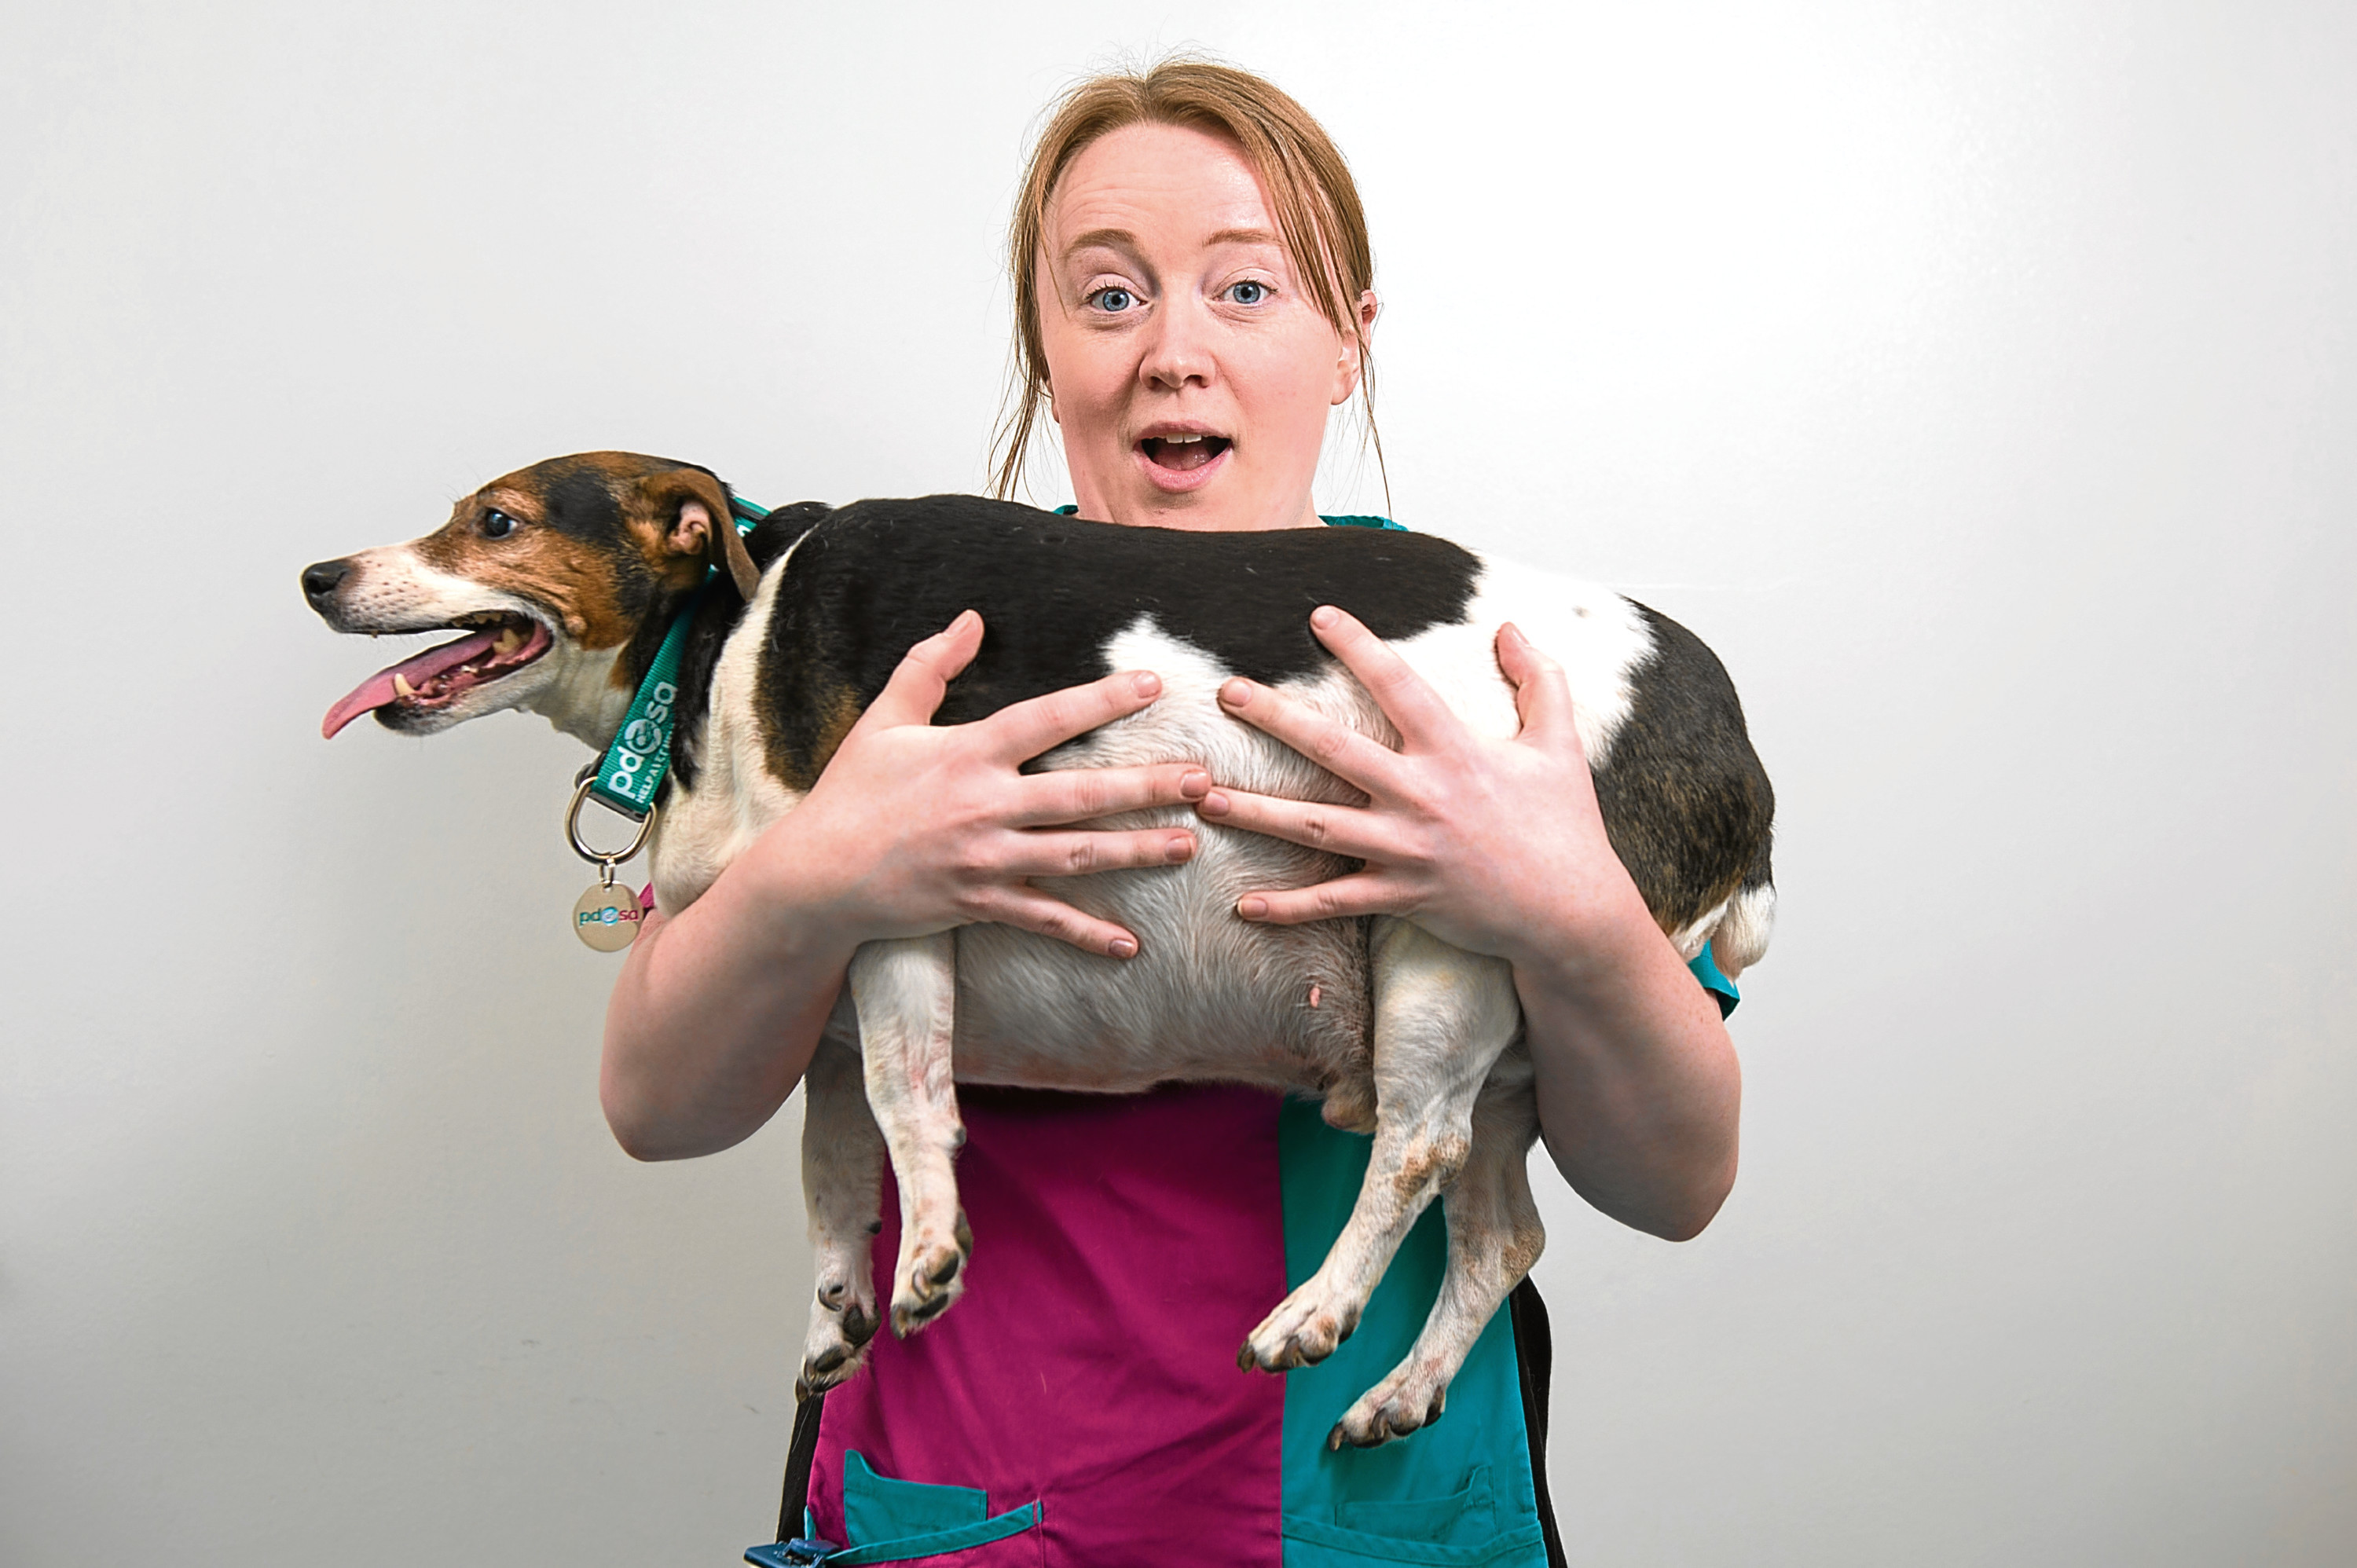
x: 1314, y: 994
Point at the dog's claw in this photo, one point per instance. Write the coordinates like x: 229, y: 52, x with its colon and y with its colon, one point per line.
x: 836, y: 1344
x: 1299, y: 1333
x: 932, y: 1278
x: 1403, y: 1402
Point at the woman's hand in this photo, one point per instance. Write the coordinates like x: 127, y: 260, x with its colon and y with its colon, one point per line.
x: 920, y: 827
x: 911, y: 828
x: 1497, y: 846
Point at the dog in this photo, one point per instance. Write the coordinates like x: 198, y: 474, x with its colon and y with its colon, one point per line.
x: 567, y: 576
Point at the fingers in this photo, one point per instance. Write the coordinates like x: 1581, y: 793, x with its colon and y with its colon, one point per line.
x: 1078, y: 853
x: 1360, y: 893
x: 1083, y: 794
x: 1542, y: 693
x: 1338, y: 748
x: 1337, y: 830
x: 1028, y: 909
x: 1021, y: 731
x: 1406, y: 699
x: 915, y: 690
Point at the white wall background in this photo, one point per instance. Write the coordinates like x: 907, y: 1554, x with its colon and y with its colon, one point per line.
x: 1977, y: 376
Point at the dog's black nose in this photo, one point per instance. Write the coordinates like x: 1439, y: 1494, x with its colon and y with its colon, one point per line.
x: 321, y: 579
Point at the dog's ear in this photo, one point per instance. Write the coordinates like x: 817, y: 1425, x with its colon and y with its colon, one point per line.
x: 689, y: 510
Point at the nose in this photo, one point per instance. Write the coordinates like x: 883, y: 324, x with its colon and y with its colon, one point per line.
x: 322, y: 578
x: 1180, y: 354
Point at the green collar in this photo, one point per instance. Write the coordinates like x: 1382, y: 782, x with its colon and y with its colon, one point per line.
x: 632, y: 772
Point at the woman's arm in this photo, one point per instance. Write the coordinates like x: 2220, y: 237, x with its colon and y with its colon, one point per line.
x: 912, y: 828
x: 1498, y: 847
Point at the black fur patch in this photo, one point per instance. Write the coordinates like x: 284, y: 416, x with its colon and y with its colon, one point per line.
x: 580, y: 501
x: 1685, y: 802
x: 878, y: 576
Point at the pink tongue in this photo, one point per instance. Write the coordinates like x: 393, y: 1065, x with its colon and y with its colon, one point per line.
x: 377, y: 690
x: 1193, y: 455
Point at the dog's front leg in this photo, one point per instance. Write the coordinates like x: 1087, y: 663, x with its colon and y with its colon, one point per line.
x: 843, y: 1178
x: 907, y: 996
x: 1442, y: 1018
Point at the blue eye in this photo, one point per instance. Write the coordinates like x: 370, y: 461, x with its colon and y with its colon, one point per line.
x: 1249, y: 292
x: 1113, y: 300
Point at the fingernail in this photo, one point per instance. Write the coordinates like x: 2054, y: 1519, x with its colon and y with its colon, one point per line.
x: 1122, y: 947
x: 1324, y: 616
x: 1252, y: 908
x: 1180, y: 850
x: 1214, y: 804
x: 1511, y: 630
x: 1146, y: 684
x: 1194, y: 786
x: 963, y: 617
x: 1236, y: 693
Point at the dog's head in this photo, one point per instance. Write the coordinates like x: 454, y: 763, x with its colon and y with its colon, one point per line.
x: 564, y: 576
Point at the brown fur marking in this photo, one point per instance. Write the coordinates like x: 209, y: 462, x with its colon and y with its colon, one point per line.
x: 841, y: 710
x: 574, y: 580
x: 1436, y: 1164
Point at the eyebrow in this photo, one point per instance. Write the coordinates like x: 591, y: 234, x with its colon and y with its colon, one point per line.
x: 1123, y: 239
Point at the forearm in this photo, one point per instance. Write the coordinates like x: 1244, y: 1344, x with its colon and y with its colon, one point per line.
x: 1638, y: 1087
x: 716, y: 1015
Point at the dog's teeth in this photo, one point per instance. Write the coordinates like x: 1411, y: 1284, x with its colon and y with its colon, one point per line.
x: 508, y: 641
x: 401, y: 685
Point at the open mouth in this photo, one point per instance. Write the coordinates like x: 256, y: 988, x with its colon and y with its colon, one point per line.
x: 502, y: 643
x: 1182, y: 453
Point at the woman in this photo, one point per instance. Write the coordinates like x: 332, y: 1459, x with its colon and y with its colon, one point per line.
x: 1194, y: 291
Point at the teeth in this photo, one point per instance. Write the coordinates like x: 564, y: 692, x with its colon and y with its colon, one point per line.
x: 401, y: 685
x: 508, y: 641
x: 1180, y: 440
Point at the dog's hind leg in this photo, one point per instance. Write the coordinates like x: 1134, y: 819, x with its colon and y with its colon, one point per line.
x: 843, y: 1178
x: 1494, y: 1237
x: 1442, y: 1017
x: 907, y: 994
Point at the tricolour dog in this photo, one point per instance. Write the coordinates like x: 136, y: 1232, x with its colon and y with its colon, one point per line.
x: 567, y: 576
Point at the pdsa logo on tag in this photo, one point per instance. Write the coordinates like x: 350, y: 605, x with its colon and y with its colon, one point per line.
x: 642, y: 741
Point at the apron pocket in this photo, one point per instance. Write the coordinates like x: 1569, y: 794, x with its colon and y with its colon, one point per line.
x: 1459, y: 1531
x: 891, y: 1521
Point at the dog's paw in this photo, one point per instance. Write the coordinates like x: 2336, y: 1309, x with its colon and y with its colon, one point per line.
x: 930, y: 1279
x: 1303, y: 1331
x: 1410, y: 1399
x: 836, y: 1344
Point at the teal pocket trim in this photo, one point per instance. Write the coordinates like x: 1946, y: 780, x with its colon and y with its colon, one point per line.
x: 1311, y: 1544
x: 1013, y: 1523
x: 892, y: 1520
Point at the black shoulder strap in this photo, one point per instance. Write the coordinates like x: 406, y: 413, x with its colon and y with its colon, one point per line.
x: 799, y: 1454
x: 1534, y: 1350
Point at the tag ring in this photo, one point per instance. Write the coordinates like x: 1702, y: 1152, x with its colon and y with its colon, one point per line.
x: 601, y: 857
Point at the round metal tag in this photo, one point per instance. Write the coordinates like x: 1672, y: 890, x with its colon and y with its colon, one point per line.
x: 607, y: 917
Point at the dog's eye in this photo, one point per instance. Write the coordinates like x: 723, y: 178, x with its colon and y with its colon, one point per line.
x: 498, y: 524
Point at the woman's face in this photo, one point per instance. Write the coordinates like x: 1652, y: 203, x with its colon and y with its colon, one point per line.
x: 1188, y: 366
